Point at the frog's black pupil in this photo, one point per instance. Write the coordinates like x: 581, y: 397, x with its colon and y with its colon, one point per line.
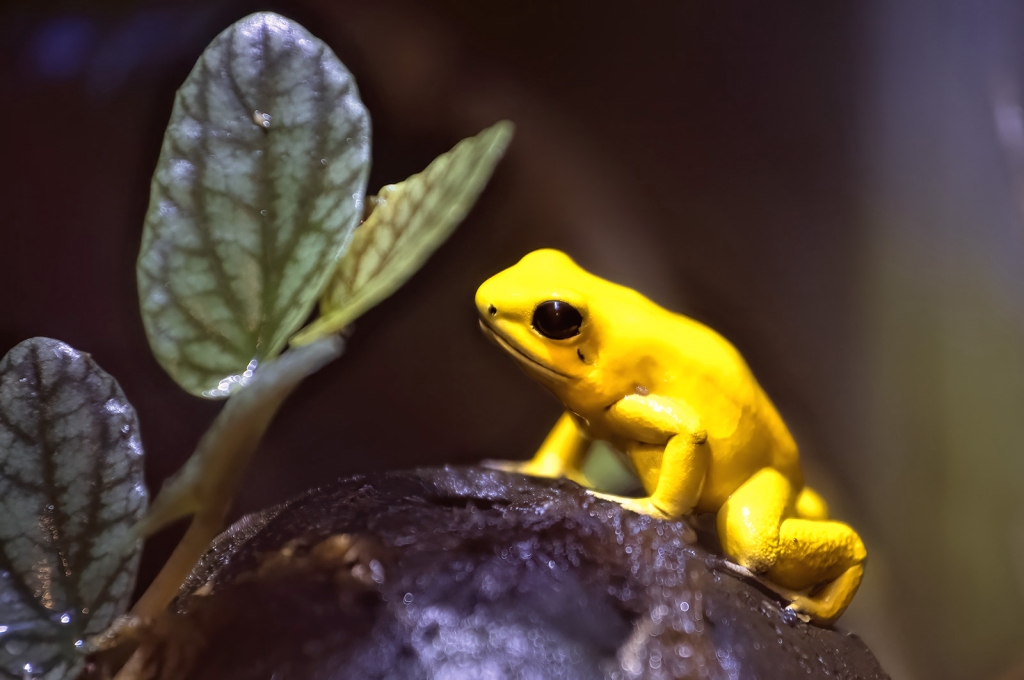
x: 557, y: 320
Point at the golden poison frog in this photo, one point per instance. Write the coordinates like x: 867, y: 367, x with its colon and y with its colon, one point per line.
x: 680, y: 402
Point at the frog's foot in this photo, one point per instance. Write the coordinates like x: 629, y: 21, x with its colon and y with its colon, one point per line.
x: 827, y: 603
x: 531, y: 468
x: 506, y: 465
x: 802, y: 606
x: 642, y: 506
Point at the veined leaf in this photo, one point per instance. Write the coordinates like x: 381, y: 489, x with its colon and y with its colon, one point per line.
x: 409, y: 222
x: 71, y: 487
x: 259, y: 184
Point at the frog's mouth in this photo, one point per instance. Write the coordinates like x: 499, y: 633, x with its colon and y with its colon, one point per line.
x: 509, y: 346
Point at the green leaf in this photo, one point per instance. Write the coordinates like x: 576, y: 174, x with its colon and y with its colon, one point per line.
x: 409, y: 222
x: 71, y: 487
x: 259, y: 184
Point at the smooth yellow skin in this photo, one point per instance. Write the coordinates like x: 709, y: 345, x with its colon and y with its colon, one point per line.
x: 682, y: 404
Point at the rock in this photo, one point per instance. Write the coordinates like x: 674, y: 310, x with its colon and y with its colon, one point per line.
x: 470, y: 573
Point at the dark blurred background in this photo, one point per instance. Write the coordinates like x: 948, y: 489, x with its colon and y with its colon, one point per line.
x: 837, y: 187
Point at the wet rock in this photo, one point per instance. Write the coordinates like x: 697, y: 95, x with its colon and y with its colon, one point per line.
x: 469, y: 573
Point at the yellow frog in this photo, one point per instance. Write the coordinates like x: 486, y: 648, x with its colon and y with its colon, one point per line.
x: 682, y: 404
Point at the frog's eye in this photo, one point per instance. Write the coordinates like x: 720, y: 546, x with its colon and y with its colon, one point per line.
x: 557, y: 320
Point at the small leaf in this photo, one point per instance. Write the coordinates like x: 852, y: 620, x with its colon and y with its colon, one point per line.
x: 71, y: 487
x: 410, y: 221
x: 259, y: 184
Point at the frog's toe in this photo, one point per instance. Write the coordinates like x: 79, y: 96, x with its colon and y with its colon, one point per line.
x: 797, y: 610
x: 531, y: 468
x: 523, y: 467
x: 808, y: 609
x: 504, y: 465
x: 641, y: 506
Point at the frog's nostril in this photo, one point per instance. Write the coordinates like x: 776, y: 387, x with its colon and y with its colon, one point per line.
x: 492, y: 310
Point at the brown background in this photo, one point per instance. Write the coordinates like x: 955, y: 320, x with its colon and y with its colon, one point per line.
x: 835, y: 187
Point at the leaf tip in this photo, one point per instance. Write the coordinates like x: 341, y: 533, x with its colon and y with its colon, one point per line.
x: 503, y: 131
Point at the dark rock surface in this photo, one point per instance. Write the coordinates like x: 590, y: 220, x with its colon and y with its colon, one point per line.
x: 468, y: 573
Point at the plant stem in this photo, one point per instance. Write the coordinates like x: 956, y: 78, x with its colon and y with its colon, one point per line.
x: 162, y: 591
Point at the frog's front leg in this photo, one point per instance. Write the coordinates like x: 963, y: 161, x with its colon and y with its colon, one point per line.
x: 674, y: 479
x: 560, y: 455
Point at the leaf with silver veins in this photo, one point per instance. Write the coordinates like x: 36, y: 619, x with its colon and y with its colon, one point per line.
x: 71, y: 487
x: 260, y: 182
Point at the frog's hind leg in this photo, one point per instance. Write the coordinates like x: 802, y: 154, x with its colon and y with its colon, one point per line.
x: 560, y: 455
x: 761, y: 529
x: 825, y: 552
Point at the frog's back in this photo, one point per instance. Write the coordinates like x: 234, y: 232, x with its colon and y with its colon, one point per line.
x: 697, y: 365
